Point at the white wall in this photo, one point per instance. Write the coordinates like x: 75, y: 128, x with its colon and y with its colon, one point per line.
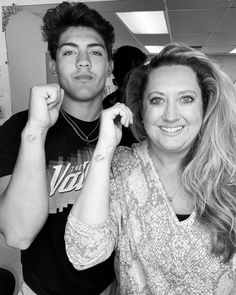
x: 5, y: 95
x: 26, y: 56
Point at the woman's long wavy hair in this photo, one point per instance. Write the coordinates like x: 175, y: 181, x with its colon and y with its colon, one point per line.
x: 209, y: 168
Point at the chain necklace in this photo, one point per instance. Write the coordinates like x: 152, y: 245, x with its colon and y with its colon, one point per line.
x: 78, y: 131
x: 170, y: 194
x: 173, y: 194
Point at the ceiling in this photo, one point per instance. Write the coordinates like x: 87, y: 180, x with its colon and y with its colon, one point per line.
x: 209, y: 25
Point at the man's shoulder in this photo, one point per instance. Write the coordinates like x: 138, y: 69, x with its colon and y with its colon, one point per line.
x: 10, y: 135
x: 17, y: 120
x: 23, y: 115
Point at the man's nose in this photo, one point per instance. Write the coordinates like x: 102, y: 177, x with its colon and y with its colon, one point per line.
x: 83, y: 60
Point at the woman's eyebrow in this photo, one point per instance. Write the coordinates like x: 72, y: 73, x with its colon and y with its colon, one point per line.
x: 188, y: 91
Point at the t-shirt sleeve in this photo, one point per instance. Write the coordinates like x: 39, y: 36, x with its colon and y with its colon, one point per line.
x: 10, y: 136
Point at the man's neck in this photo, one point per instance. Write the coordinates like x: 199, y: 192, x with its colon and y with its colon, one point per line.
x: 85, y: 111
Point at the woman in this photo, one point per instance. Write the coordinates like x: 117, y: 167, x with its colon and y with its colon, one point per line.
x: 169, y: 208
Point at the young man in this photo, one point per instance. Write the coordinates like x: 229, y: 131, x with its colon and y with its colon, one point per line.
x: 45, y: 153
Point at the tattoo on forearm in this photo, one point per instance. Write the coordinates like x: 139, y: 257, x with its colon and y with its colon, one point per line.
x: 30, y: 138
x: 99, y: 158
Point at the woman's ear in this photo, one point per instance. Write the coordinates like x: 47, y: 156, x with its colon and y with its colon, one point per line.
x: 52, y: 67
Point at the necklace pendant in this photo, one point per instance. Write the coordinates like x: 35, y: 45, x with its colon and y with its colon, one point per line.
x: 78, y: 131
x: 88, y: 143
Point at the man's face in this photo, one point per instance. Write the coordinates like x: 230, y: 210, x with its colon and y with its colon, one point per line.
x: 82, y: 64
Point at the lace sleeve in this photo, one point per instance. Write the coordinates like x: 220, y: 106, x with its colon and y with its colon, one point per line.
x: 88, y: 245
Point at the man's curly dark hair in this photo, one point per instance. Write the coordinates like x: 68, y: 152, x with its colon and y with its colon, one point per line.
x: 65, y: 15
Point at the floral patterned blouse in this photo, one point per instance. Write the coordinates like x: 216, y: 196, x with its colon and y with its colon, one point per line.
x: 155, y: 252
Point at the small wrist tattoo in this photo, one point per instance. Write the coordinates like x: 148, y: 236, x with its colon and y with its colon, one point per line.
x: 30, y: 138
x: 99, y: 158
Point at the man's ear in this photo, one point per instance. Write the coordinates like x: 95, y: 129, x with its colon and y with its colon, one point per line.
x: 110, y: 68
x: 52, y: 67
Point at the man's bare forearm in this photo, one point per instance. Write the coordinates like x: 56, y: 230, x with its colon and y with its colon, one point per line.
x: 24, y: 203
x: 92, y: 206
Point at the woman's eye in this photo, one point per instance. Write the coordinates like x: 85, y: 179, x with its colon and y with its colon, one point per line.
x: 157, y: 100
x: 186, y: 99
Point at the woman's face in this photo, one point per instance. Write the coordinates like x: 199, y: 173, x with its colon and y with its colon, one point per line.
x: 172, y: 108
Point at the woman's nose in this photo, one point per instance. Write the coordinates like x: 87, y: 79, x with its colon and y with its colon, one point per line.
x: 171, y: 112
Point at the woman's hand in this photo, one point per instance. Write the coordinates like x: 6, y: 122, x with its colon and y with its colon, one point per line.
x: 112, y: 120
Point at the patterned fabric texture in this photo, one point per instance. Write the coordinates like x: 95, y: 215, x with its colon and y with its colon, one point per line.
x: 155, y: 252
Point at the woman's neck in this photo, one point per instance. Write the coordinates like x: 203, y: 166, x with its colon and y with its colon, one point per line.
x: 170, y: 162
x: 168, y: 167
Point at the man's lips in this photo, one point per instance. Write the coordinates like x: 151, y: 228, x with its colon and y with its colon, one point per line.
x: 84, y: 77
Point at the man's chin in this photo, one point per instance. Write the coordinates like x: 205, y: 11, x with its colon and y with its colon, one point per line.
x: 86, y: 97
x: 84, y: 94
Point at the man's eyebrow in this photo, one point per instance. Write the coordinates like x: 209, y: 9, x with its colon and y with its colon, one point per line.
x: 68, y: 44
x: 96, y: 44
x: 77, y: 46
